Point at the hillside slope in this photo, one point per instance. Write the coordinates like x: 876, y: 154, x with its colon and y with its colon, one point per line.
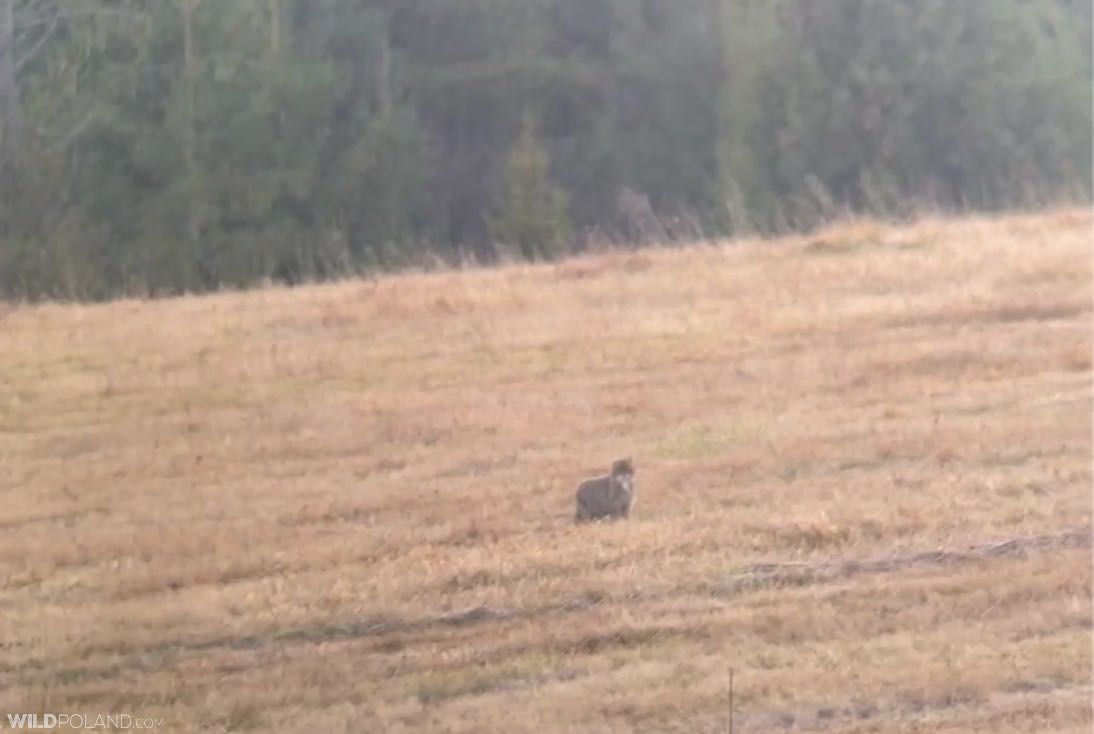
x: 348, y: 507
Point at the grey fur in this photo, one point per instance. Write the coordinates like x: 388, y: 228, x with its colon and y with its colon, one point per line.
x: 608, y: 497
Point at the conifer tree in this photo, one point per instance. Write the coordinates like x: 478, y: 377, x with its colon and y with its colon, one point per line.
x: 533, y: 213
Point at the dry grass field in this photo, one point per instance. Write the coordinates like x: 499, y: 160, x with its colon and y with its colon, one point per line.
x: 864, y: 468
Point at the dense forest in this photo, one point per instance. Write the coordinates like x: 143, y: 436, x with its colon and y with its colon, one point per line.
x: 162, y: 146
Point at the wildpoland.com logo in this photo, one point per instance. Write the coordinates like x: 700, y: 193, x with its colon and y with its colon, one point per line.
x: 82, y: 721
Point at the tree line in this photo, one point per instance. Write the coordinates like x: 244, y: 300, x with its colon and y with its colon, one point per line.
x: 163, y: 146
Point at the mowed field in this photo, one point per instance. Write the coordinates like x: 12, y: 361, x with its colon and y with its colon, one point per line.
x: 863, y: 468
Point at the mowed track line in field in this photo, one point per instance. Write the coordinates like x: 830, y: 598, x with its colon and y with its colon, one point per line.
x: 404, y: 652
x: 749, y: 580
x: 863, y: 468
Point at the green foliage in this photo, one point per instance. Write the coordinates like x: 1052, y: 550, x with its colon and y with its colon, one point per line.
x: 533, y: 211
x: 886, y: 106
x: 161, y: 146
